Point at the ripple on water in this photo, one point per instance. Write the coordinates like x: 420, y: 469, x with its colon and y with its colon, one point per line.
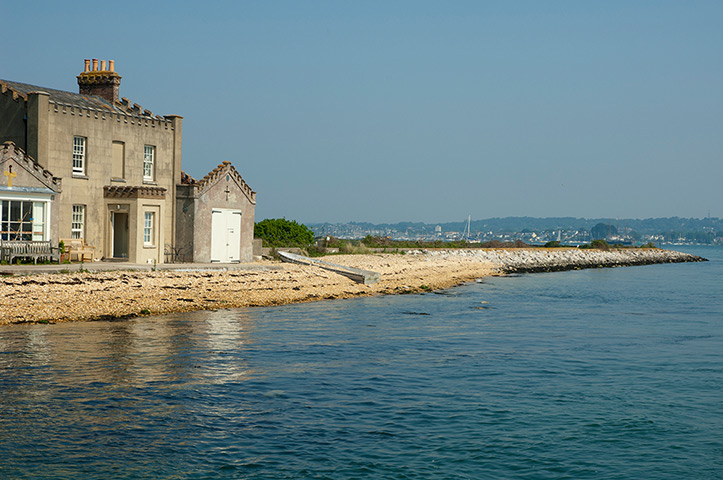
x: 585, y: 374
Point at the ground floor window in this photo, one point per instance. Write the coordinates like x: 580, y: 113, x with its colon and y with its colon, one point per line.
x: 148, y: 229
x: 22, y: 220
x: 77, y: 226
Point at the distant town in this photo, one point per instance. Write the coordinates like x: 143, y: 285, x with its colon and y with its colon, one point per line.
x: 538, y: 231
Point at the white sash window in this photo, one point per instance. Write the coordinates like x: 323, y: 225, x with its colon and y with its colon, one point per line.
x: 149, y: 159
x: 79, y: 155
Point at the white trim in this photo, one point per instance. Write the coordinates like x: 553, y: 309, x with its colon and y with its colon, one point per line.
x: 38, y: 197
x: 222, y: 210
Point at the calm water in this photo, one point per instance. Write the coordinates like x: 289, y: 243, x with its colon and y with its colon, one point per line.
x: 604, y: 374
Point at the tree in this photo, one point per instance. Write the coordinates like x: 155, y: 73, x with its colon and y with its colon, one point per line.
x: 279, y: 232
x: 602, y: 230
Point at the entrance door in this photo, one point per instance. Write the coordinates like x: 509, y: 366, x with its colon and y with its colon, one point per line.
x: 120, y: 234
x: 225, y: 235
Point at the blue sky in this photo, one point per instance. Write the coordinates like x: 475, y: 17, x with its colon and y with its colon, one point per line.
x: 386, y: 111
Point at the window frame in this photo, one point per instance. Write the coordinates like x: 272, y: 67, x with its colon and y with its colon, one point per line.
x: 149, y: 229
x: 78, y: 212
x: 149, y: 163
x: 80, y: 153
x: 17, y: 220
x: 39, y: 220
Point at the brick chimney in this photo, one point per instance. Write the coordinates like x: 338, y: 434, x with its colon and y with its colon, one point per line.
x: 102, y: 82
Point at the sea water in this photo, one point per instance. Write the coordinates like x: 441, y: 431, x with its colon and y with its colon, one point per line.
x: 604, y: 374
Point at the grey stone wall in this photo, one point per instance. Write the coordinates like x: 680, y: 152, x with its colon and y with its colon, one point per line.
x: 185, y: 216
x: 101, y: 129
x: 12, y: 112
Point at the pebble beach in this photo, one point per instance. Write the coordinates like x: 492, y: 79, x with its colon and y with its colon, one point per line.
x: 61, y: 297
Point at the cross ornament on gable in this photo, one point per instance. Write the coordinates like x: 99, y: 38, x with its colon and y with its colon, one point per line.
x: 10, y: 174
x: 227, y: 191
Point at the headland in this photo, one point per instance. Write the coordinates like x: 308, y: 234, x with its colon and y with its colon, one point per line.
x: 105, y: 295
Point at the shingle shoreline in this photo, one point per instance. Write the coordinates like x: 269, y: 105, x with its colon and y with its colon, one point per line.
x: 51, y: 298
x: 562, y: 259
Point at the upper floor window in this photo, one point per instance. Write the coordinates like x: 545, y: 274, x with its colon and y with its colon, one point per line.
x: 149, y: 158
x: 118, y: 164
x: 77, y: 225
x: 79, y: 155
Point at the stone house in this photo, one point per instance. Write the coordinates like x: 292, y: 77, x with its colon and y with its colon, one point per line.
x: 110, y: 171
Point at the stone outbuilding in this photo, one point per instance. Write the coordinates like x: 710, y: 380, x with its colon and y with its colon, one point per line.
x: 223, y: 204
x: 27, y: 197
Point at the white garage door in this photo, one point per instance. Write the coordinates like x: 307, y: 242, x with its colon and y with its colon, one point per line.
x: 225, y: 235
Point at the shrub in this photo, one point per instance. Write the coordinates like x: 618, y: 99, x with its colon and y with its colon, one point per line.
x: 351, y: 248
x: 600, y: 244
x: 316, y: 251
x: 279, y: 232
x: 552, y: 244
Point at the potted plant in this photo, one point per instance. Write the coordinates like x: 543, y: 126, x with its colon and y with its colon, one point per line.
x: 64, y: 256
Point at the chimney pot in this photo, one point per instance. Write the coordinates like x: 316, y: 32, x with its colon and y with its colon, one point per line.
x: 103, y: 83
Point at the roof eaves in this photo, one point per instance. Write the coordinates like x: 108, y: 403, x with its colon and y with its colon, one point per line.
x: 5, y: 87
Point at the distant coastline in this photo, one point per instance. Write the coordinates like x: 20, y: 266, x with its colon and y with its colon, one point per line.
x: 537, y: 231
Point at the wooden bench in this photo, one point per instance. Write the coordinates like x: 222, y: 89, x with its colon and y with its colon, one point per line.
x: 174, y: 254
x: 12, y: 249
x: 77, y: 247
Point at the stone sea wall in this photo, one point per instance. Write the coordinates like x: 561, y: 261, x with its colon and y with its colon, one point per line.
x: 551, y: 260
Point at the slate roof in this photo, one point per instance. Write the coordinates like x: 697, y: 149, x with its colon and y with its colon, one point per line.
x: 77, y: 100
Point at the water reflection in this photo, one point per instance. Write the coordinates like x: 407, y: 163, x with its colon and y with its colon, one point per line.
x: 167, y: 349
x: 138, y: 389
